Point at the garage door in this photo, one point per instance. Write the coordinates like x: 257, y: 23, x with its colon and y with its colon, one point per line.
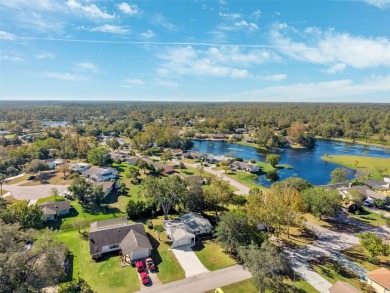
x: 182, y: 242
x: 140, y: 254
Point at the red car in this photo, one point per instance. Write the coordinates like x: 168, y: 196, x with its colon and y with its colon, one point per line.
x: 139, y: 265
x: 150, y: 264
x: 144, y: 278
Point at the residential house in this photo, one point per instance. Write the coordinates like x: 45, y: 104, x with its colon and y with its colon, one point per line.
x: 4, y: 132
x: 166, y: 169
x: 53, y: 163
x: 219, y: 136
x: 379, y: 279
x: 249, y: 139
x: 377, y: 184
x: 186, y: 228
x: 119, y: 156
x: 132, y: 160
x: 248, y: 167
x: 118, y: 235
x: 198, y: 179
x: 52, y: 210
x: 193, y: 155
x: 177, y: 152
x: 366, y: 192
x: 79, y: 167
x: 99, y: 174
x: 108, y: 186
x: 343, y: 287
x: 217, y: 159
x: 241, y: 130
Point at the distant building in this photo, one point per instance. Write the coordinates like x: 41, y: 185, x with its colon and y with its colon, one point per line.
x: 99, y: 174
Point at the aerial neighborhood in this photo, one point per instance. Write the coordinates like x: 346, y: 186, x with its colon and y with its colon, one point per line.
x: 133, y: 200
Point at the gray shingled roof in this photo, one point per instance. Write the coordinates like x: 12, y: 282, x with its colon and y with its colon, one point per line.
x: 134, y: 241
x: 56, y: 206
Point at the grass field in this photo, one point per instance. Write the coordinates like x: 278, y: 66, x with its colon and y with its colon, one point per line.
x: 359, y: 255
x: 212, y: 256
x: 105, y: 275
x: 383, y: 144
x: 370, y: 218
x: 250, y: 144
x: 362, y: 164
x: 17, y: 180
x: 333, y: 271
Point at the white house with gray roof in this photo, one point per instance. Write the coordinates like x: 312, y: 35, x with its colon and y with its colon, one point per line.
x: 100, y: 174
x: 185, y: 229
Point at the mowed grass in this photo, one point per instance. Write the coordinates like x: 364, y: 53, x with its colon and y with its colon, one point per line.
x: 105, y: 275
x: 212, y: 255
x: 369, y: 218
x: 360, y: 255
x: 362, y: 164
x: 247, y: 179
x: 169, y: 269
x: 17, y: 180
x: 248, y: 286
x: 333, y: 272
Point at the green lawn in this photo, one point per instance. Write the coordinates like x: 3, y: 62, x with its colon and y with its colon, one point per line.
x: 212, y: 255
x: 50, y: 198
x: 370, y: 218
x: 105, y: 275
x: 333, y: 271
x: 359, y: 255
x: 250, y: 144
x: 169, y: 269
x: 361, y: 164
x: 248, y: 286
x: 244, y: 178
x: 17, y: 180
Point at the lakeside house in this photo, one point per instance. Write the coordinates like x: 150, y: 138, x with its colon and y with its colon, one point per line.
x: 186, y: 228
x: 118, y: 235
x: 193, y: 155
x: 177, y: 152
x: 378, y: 184
x: 166, y: 169
x: 248, y: 167
x: 369, y: 195
x: 217, y: 159
x: 99, y: 174
x: 52, y: 210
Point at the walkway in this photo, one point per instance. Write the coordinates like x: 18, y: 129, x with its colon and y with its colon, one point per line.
x: 205, y: 281
x: 188, y: 261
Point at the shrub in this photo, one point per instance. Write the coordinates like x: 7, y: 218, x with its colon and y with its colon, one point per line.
x: 149, y: 223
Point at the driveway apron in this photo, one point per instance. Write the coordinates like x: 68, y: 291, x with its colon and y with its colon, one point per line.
x: 189, y: 261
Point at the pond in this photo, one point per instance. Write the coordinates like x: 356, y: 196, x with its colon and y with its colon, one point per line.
x: 305, y: 163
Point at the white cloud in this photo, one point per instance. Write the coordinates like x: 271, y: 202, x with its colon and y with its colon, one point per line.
x: 167, y: 83
x: 90, y: 10
x: 127, y: 8
x: 160, y: 20
x: 256, y: 14
x: 65, y: 76
x: 7, y: 36
x: 36, y: 4
x: 275, y: 77
x: 44, y: 55
x: 134, y: 82
x: 109, y: 28
x: 382, y: 4
x: 331, y: 48
x: 332, y: 91
x: 230, y: 16
x: 336, y: 68
x: 11, y: 58
x: 219, y: 62
x: 149, y: 34
x: 87, y: 66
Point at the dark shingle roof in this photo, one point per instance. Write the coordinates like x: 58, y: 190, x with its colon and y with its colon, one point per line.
x: 56, y: 206
x: 134, y: 241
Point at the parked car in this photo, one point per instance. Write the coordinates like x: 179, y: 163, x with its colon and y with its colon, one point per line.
x: 139, y: 265
x: 150, y: 264
x: 144, y: 278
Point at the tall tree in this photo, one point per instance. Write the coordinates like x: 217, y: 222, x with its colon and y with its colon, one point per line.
x: 272, y: 159
x: 320, y: 201
x: 167, y: 191
x: 27, y: 216
x: 339, y: 175
x: 3, y: 177
x: 373, y: 244
x: 234, y: 231
x: 99, y: 156
x: 266, y: 264
x: 194, y: 197
x: 80, y: 188
x: 218, y: 193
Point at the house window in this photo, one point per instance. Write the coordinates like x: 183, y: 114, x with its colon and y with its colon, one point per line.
x: 114, y: 246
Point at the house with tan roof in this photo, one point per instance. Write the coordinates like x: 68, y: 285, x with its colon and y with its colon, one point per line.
x: 379, y: 279
x: 343, y: 287
x: 52, y: 210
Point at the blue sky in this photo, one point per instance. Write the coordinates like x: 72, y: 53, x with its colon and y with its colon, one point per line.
x: 181, y: 50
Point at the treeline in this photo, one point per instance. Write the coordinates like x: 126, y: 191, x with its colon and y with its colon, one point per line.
x: 354, y: 121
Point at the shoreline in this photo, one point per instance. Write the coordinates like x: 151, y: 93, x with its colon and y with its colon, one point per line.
x: 347, y: 140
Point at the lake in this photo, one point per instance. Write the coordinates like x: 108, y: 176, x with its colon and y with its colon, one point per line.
x: 306, y: 163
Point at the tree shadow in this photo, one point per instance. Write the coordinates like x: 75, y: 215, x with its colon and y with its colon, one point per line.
x: 56, y: 224
x: 155, y: 254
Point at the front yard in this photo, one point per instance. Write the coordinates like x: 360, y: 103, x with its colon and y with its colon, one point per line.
x: 370, y: 218
x: 105, y: 275
x: 212, y: 255
x: 359, y: 255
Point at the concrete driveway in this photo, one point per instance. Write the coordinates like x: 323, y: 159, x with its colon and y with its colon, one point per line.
x: 33, y: 192
x: 189, y: 261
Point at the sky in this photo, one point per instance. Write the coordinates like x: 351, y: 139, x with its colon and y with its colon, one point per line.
x: 185, y: 50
